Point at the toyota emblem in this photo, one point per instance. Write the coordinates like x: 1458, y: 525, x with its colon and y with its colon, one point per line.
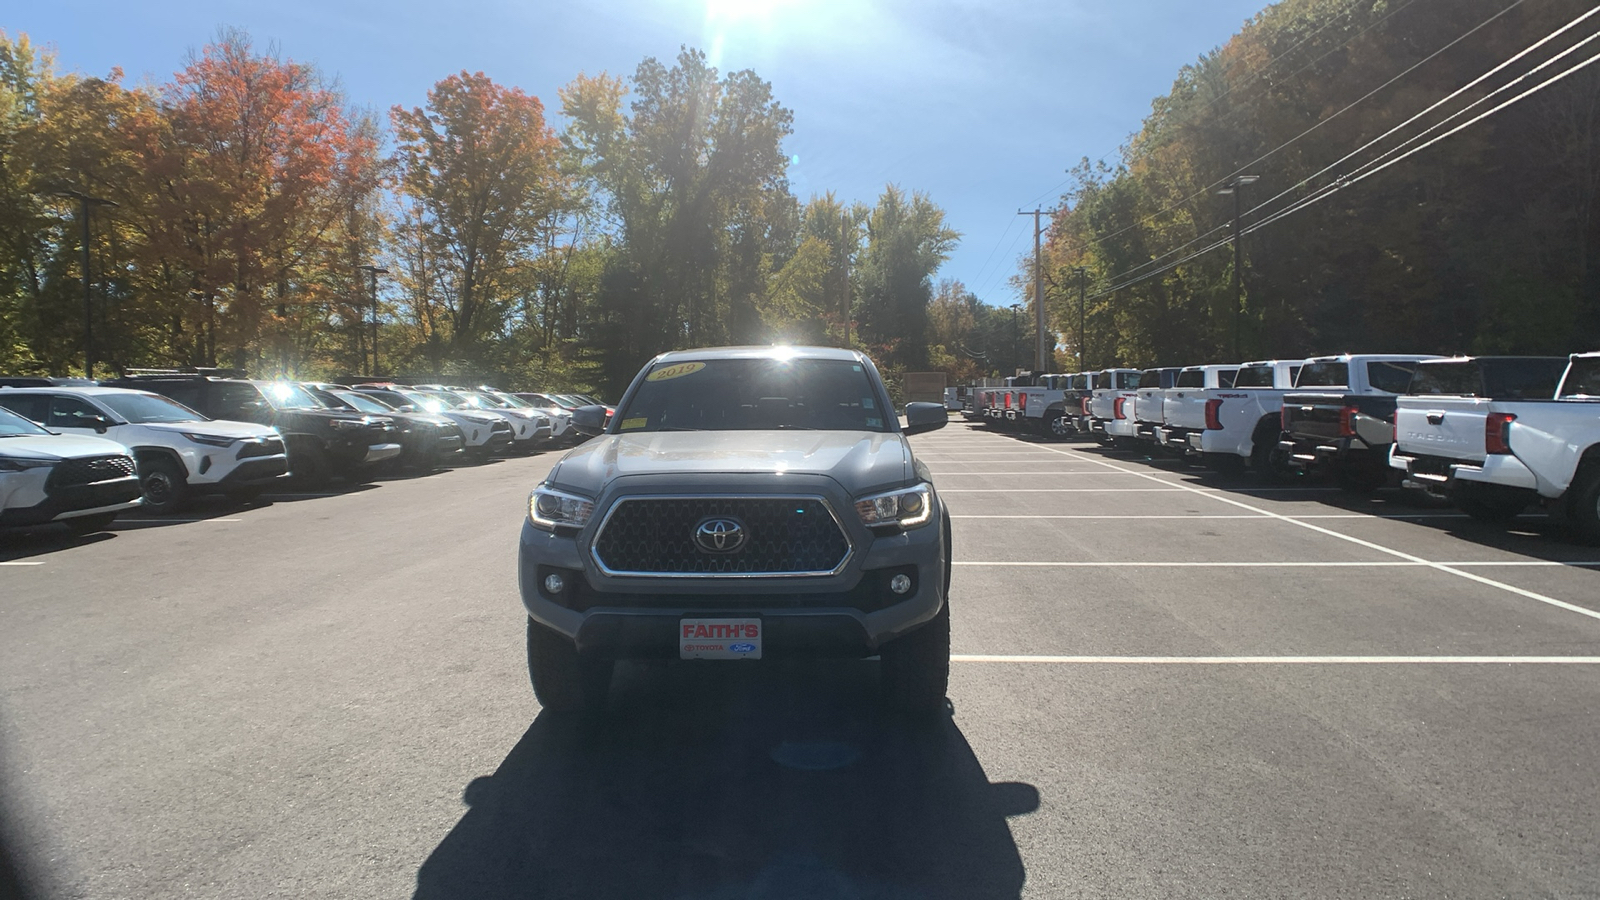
x: 719, y: 535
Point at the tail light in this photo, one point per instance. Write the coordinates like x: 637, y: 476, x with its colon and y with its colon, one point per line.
x: 1116, y: 408
x: 1213, y: 415
x: 1347, y: 422
x: 1022, y: 402
x: 1086, y: 406
x: 1497, y: 433
x: 1008, y: 399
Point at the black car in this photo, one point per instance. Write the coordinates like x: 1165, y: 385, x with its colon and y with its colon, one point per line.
x: 426, y: 440
x: 321, y: 442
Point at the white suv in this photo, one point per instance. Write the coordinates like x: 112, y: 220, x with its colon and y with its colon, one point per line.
x: 81, y: 482
x: 179, y: 451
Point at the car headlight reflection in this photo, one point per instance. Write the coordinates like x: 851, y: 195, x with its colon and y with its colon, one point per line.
x: 551, y: 509
x: 907, y: 508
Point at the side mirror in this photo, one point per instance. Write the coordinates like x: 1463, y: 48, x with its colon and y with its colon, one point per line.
x: 923, y: 417
x: 589, y: 419
x: 99, y: 423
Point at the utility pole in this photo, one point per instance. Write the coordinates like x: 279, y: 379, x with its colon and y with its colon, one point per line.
x: 1016, y: 340
x: 373, y: 272
x: 1235, y: 187
x: 1039, y: 365
x: 1083, y: 290
x: 85, y: 201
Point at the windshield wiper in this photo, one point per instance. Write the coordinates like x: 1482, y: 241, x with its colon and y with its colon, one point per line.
x: 793, y: 428
x: 677, y: 428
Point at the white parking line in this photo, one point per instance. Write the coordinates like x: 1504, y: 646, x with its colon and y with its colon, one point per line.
x: 1442, y: 567
x: 21, y: 563
x: 948, y: 474
x: 1257, y: 518
x: 1287, y: 564
x: 1059, y: 490
x: 1283, y: 660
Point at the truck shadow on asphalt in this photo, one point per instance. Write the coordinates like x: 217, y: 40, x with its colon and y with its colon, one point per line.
x: 699, y: 782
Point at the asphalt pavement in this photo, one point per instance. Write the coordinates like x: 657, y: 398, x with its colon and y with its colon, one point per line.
x: 1166, y: 684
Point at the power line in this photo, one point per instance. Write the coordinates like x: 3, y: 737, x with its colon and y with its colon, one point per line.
x: 1286, y: 144
x: 1345, y: 182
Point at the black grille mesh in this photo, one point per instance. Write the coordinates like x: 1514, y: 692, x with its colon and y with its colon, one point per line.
x: 785, y: 535
x: 264, y: 447
x: 90, y: 469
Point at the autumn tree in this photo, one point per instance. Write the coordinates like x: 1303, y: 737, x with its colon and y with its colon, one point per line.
x: 907, y: 242
x: 477, y: 165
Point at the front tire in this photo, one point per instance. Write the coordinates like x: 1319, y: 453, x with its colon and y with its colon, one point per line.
x: 565, y: 681
x: 915, y: 669
x: 165, y: 485
x: 1584, y: 510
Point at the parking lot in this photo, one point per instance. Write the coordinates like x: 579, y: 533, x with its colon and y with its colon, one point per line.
x: 1166, y: 684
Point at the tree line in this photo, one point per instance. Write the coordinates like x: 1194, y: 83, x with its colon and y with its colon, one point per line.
x: 242, y: 209
x: 1483, y: 242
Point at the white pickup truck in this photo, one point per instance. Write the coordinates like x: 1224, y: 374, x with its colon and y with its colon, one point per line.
x: 1340, y: 416
x: 1150, y: 401
x: 1044, y: 405
x: 1243, y: 421
x: 1110, y: 406
x: 1496, y: 435
x: 1183, y: 410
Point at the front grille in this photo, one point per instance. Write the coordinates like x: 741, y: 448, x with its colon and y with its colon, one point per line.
x: 782, y: 536
x: 90, y: 470
x: 500, y: 426
x: 262, y: 447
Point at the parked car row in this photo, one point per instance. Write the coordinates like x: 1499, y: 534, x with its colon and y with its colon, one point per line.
x: 1494, y: 435
x: 81, y: 452
x: 1331, y: 414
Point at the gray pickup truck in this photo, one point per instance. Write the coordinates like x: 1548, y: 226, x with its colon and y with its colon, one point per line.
x: 744, y: 503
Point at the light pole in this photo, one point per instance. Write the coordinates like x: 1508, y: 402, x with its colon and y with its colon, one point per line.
x: 85, y: 201
x: 1083, y: 289
x: 1235, y: 186
x: 373, y: 272
x: 1016, y: 340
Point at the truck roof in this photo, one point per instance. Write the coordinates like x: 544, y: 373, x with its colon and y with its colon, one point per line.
x: 768, y: 351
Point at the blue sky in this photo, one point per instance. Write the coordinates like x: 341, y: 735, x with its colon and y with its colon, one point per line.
x: 983, y: 104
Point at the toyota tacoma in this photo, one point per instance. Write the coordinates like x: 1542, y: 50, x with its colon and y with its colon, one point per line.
x: 742, y: 504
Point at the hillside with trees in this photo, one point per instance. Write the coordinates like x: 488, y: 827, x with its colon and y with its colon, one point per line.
x: 1482, y: 242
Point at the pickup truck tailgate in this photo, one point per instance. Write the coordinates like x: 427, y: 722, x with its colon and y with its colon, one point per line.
x: 1450, y: 427
x: 1314, y: 416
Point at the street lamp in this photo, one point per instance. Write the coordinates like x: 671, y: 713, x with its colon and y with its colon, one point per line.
x: 85, y: 202
x: 1083, y: 288
x: 374, y: 272
x: 1235, y: 186
x: 1016, y: 339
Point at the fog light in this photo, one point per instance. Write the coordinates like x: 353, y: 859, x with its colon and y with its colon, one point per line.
x: 554, y: 584
x: 900, y: 584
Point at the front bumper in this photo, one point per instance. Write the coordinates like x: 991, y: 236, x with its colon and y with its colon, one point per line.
x: 66, y: 502
x: 851, y: 614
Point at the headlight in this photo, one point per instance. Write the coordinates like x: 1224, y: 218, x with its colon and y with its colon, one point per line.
x: 347, y: 424
x: 550, y: 509
x: 23, y: 463
x: 214, y: 440
x: 907, y: 508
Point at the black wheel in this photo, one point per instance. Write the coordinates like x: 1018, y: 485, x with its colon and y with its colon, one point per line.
x: 1060, y: 428
x: 83, y: 525
x: 563, y: 680
x: 308, y: 464
x: 1265, y: 457
x: 1583, y: 508
x: 165, y: 484
x: 915, y: 669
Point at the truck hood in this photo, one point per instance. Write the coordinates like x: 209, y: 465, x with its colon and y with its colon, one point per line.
x: 218, y: 427
x: 856, y: 460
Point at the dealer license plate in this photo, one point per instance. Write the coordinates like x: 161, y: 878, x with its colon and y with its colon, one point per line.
x: 719, y: 638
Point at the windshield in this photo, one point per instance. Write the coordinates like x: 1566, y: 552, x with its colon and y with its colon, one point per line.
x: 13, y: 425
x: 362, y: 402
x: 1324, y: 374
x: 1583, y: 379
x: 757, y: 394
x: 144, y: 409
x: 1392, y: 376
x: 288, y: 395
